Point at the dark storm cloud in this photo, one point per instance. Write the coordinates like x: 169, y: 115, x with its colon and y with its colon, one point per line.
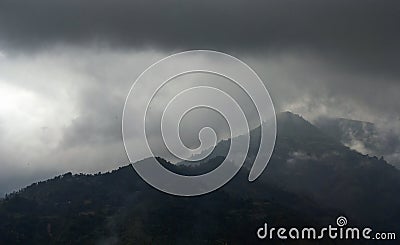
x: 367, y: 27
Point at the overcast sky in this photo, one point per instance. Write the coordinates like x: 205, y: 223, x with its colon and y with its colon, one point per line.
x: 66, y: 67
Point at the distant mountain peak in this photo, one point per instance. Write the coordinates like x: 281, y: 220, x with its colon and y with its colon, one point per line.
x: 288, y: 116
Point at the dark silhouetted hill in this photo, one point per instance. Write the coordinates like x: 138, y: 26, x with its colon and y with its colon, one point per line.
x: 312, y: 178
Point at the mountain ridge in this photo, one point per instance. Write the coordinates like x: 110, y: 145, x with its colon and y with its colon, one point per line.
x: 311, y: 179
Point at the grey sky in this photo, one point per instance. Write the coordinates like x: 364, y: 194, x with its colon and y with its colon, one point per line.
x: 66, y: 68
